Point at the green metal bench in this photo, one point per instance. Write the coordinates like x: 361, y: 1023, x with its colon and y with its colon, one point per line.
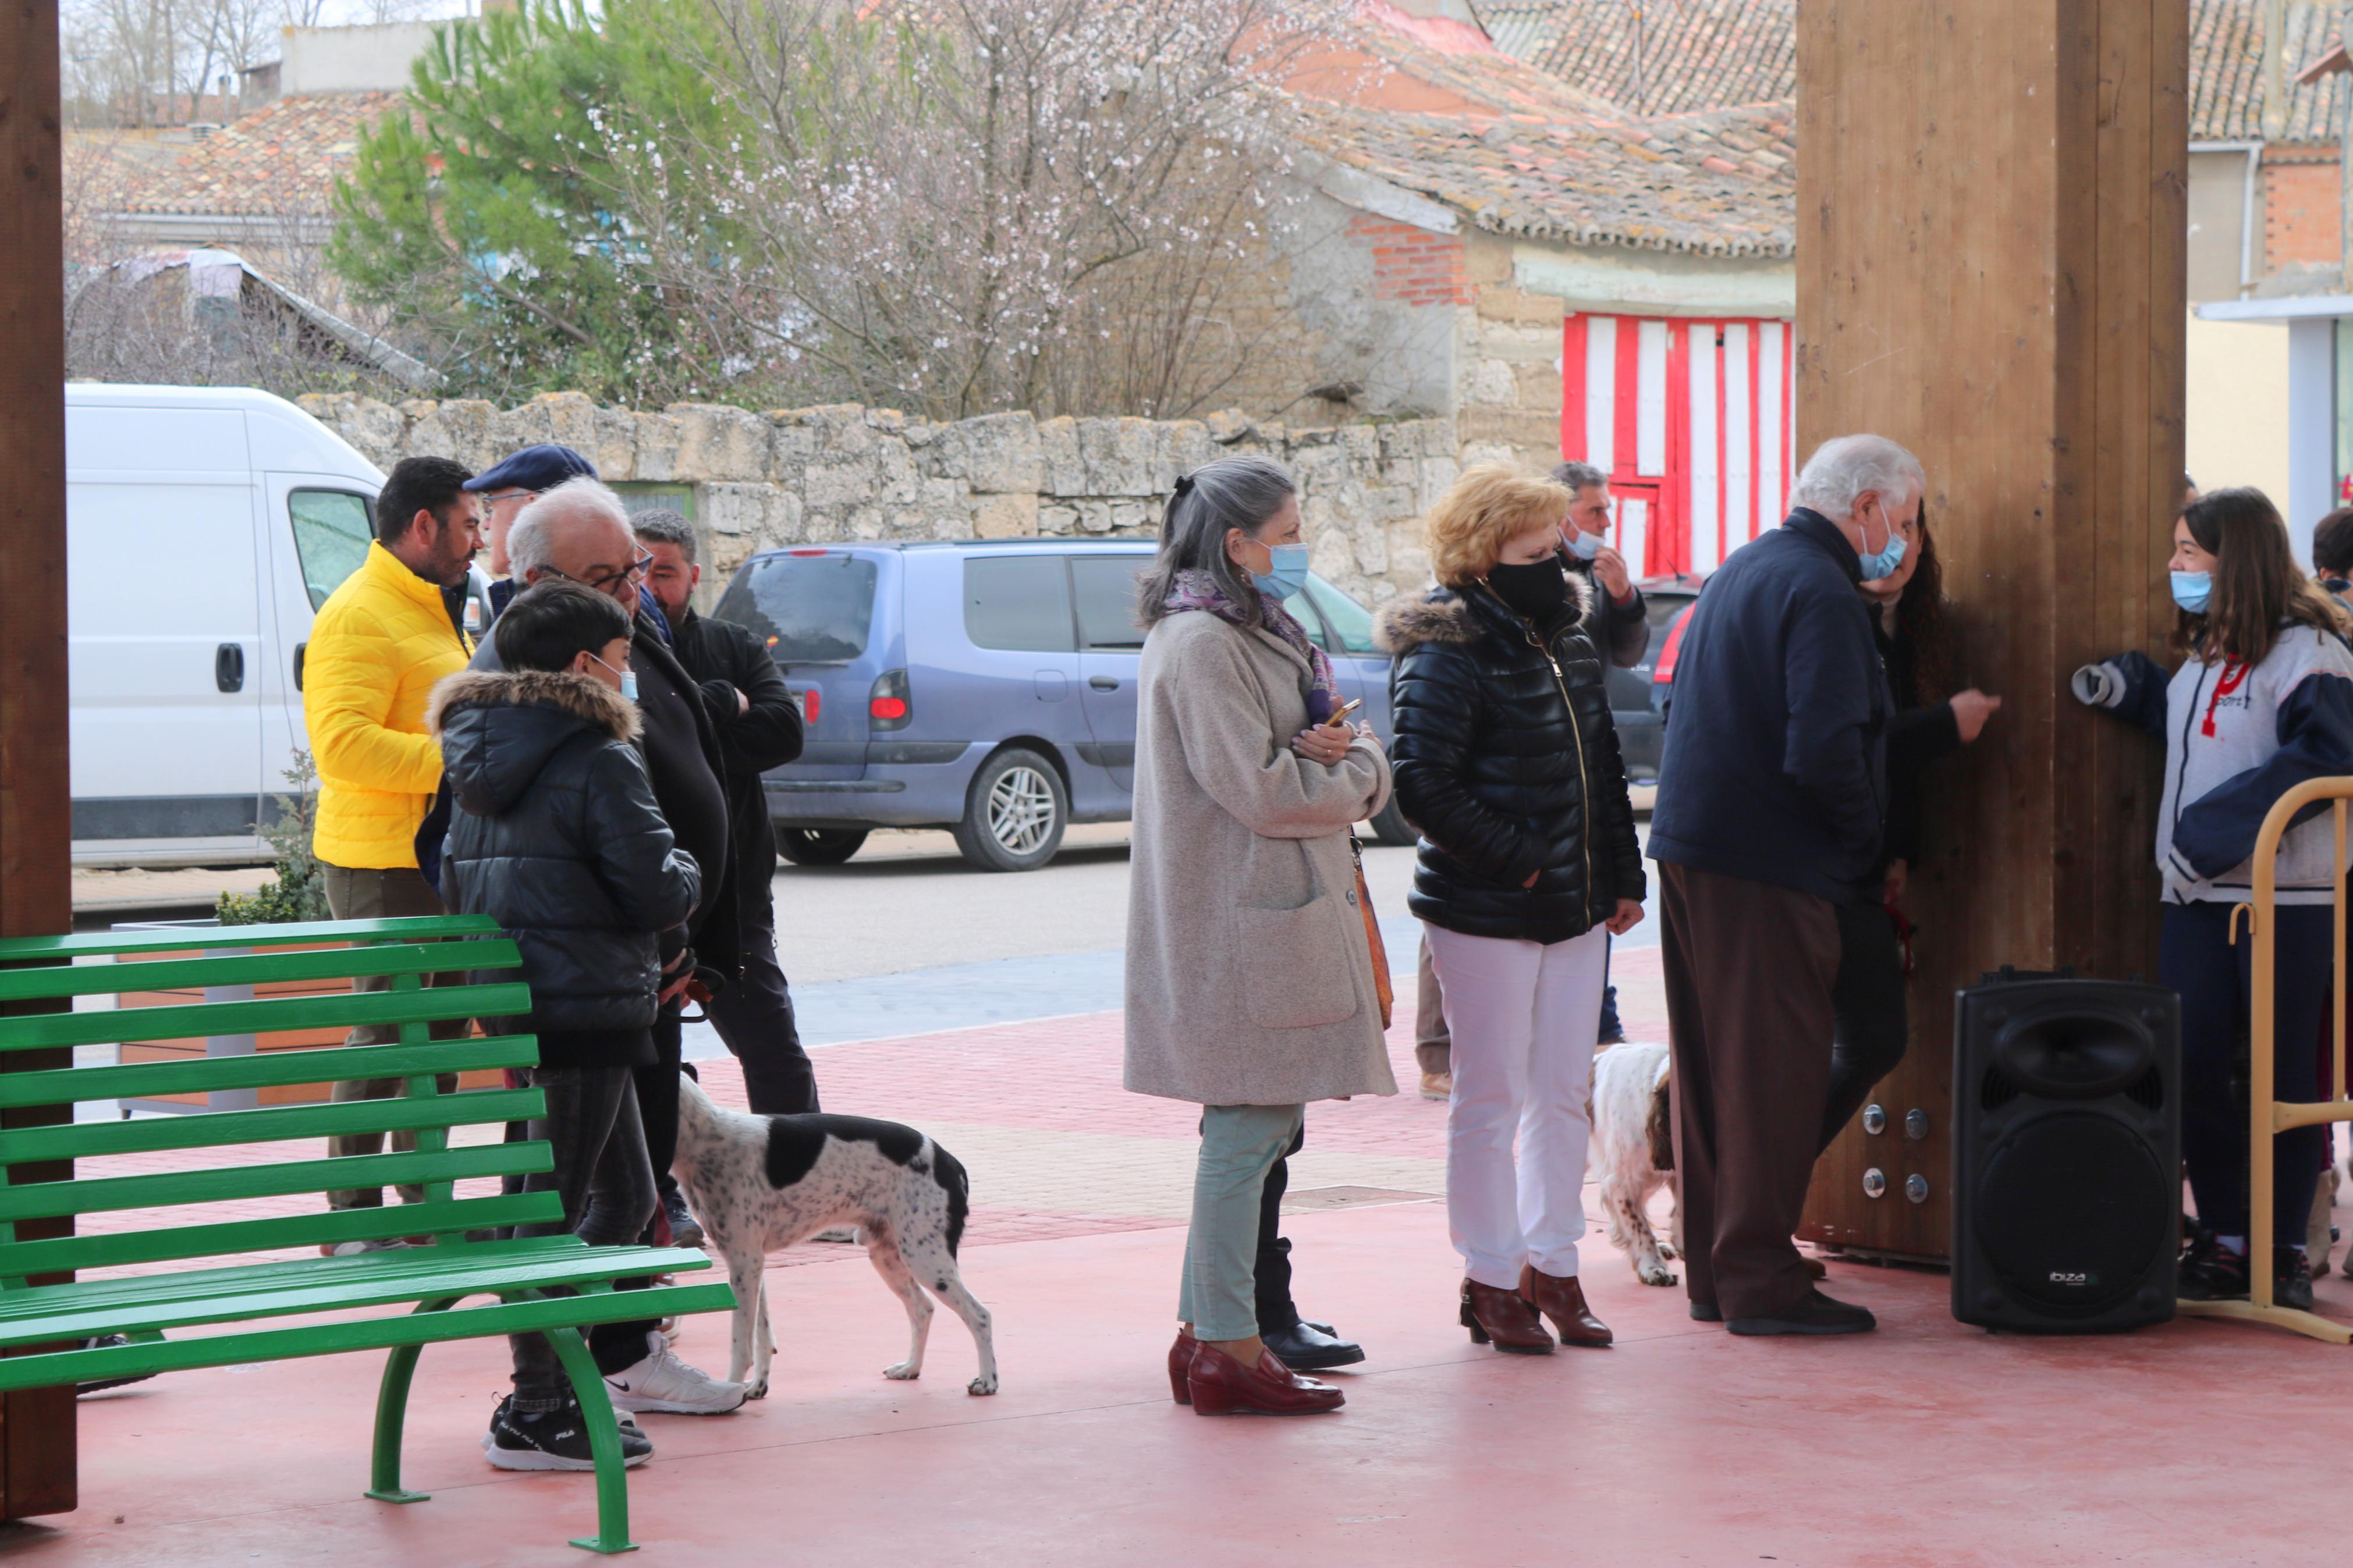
x: 43, y: 1325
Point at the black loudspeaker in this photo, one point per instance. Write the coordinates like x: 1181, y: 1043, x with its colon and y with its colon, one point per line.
x: 2066, y: 1153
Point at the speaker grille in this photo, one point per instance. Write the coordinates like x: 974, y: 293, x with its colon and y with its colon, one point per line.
x: 2149, y: 1092
x: 2073, y: 1212
x: 1996, y: 1089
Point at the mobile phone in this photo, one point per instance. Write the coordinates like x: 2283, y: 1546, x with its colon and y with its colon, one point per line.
x: 1341, y: 718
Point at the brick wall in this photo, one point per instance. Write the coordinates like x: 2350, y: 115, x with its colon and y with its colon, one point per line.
x: 2300, y: 210
x: 1411, y: 265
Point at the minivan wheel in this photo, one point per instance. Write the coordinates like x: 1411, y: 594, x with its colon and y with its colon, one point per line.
x: 1392, y: 827
x: 1015, y: 813
x: 819, y: 845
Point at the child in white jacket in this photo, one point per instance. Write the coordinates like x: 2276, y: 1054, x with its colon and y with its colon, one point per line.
x: 2262, y: 701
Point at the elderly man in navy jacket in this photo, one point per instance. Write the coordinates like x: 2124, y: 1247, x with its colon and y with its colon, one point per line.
x: 1772, y: 798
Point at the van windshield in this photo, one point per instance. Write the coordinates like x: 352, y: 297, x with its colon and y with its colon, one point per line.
x: 807, y: 609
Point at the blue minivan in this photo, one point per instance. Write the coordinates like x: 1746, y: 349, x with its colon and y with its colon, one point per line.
x: 984, y: 686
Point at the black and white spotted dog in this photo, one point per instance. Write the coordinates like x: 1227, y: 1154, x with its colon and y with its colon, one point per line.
x: 1634, y: 1152
x: 760, y: 1183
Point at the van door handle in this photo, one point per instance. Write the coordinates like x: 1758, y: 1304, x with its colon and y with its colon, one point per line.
x: 300, y: 649
x: 1103, y: 683
x: 228, y: 667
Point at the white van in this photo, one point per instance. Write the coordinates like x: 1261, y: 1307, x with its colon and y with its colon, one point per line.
x: 203, y: 527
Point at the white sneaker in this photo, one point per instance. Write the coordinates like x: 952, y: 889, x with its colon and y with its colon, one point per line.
x: 662, y: 1382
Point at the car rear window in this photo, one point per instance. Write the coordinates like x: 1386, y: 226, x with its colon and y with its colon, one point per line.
x: 808, y: 609
x: 1018, y: 602
x: 1106, y: 586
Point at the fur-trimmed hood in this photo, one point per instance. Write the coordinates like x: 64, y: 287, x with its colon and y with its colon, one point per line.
x: 1448, y: 615
x: 497, y: 730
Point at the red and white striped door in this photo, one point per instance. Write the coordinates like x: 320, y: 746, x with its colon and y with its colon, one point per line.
x: 1691, y: 419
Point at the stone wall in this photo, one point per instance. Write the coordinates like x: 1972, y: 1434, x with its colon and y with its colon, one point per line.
x: 845, y: 472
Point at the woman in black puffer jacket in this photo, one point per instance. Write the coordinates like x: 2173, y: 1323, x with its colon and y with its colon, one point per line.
x: 1506, y: 760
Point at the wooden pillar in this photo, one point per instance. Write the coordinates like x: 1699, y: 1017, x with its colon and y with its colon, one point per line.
x: 37, y: 1429
x: 1991, y: 231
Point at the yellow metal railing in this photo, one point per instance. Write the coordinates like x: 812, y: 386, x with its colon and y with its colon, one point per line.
x: 2267, y: 1117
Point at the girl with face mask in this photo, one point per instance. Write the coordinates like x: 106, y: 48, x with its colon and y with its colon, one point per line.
x: 2263, y: 700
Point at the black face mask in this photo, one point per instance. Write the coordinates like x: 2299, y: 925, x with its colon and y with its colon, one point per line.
x: 1536, y: 590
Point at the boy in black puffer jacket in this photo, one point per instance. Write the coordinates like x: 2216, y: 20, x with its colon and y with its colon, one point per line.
x: 556, y: 837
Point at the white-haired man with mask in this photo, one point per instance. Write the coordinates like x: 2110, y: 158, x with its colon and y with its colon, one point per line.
x: 1772, y: 801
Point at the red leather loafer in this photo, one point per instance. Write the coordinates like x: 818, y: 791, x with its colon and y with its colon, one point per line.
x: 1219, y: 1384
x: 1180, y: 1362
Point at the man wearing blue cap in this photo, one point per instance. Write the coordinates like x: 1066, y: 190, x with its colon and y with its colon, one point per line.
x: 511, y: 484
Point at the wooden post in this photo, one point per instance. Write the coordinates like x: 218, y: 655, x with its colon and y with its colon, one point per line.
x: 1991, y: 270
x: 37, y: 1429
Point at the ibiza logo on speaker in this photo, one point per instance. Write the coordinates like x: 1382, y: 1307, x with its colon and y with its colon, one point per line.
x: 2075, y: 1280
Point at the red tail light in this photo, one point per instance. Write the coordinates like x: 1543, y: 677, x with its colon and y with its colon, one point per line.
x: 890, y: 705
x: 812, y: 700
x: 1663, y: 672
x: 888, y: 708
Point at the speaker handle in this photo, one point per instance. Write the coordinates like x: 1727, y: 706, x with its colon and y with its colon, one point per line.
x: 2236, y: 910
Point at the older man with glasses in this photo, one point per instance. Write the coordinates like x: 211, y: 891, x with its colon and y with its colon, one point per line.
x: 579, y: 531
x: 505, y: 489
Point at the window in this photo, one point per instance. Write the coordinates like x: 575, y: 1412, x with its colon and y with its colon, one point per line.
x: 1348, y: 622
x: 807, y: 609
x: 1106, y: 595
x: 1303, y: 611
x: 1020, y: 602
x: 332, y: 533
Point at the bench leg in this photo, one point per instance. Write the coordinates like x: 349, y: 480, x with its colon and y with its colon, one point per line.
x: 604, y: 1441
x: 392, y: 1412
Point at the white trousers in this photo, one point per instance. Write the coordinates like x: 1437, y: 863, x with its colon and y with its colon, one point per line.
x: 1522, y: 1016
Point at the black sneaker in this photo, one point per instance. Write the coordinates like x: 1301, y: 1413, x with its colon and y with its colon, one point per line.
x: 1817, y: 1314
x: 1706, y: 1312
x: 684, y: 1231
x: 553, y: 1439
x: 2211, y: 1272
x: 2291, y: 1279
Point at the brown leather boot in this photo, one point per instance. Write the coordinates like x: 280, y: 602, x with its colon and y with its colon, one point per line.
x: 1560, y: 1298
x: 1504, y: 1319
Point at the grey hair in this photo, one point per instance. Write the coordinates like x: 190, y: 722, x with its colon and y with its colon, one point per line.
x: 1232, y: 492
x: 1843, y: 468
x: 529, y: 549
x: 663, y: 526
x: 1579, y: 476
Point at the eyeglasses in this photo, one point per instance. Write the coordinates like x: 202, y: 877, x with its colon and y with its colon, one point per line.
x: 633, y: 574
x: 509, y: 495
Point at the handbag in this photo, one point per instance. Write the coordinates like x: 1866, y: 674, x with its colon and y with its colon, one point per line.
x: 1380, y: 952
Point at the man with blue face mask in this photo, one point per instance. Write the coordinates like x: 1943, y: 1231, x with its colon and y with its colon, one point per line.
x: 1772, y: 802
x: 1618, y: 623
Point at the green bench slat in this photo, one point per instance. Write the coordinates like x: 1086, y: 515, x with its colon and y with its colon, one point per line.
x: 259, y: 968
x: 94, y: 1195
x: 48, y: 1370
x: 200, y: 1284
x: 104, y: 944
x: 50, y: 1314
x: 334, y: 1010
x: 221, y: 1128
x: 319, y: 1064
x: 117, y: 1249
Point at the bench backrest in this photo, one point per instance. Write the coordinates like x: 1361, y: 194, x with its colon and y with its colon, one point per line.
x: 403, y: 952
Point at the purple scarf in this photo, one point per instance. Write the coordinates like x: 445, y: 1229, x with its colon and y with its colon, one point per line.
x: 1199, y: 590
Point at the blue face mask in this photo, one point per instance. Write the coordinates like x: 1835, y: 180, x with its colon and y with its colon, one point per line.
x: 1286, y: 571
x: 1583, y: 545
x: 1882, y: 562
x: 2193, y: 589
x: 629, y: 681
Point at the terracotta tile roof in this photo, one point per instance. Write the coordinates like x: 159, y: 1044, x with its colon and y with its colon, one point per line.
x: 1713, y: 185
x: 1713, y: 54
x: 1529, y: 154
x: 1657, y: 59
x: 280, y: 159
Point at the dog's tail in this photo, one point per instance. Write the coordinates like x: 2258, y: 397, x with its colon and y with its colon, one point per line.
x: 949, y: 1171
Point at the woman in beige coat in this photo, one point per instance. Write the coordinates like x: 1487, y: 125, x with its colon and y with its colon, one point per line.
x: 1249, y: 986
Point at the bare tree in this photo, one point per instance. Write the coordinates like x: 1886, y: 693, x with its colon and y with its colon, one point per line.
x: 957, y: 205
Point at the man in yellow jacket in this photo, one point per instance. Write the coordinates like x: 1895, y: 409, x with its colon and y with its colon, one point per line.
x: 377, y: 647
